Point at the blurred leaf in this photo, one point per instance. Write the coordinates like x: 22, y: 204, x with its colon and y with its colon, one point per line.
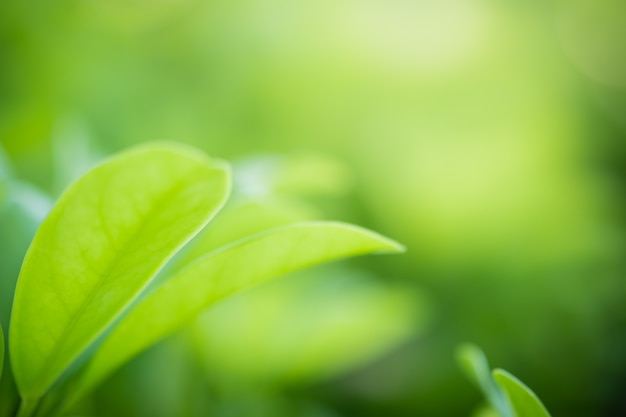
x: 475, y: 365
x: 256, y: 207
x: 302, y: 174
x: 229, y: 270
x: 313, y: 174
x: 594, y: 33
x: 30, y: 201
x: 506, y: 394
x: 485, y: 411
x: 311, y: 326
x: 73, y: 151
x: 22, y: 209
x: 5, y: 166
x: 523, y: 400
x: 108, y: 235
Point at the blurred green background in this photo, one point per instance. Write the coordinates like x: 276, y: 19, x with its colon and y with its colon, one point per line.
x: 486, y: 135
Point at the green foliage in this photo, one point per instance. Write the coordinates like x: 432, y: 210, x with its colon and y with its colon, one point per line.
x: 87, y: 273
x: 106, y: 238
x: 231, y: 269
x: 488, y: 136
x: 21, y: 211
x: 506, y: 395
x: 522, y: 399
x: 485, y: 411
x: 22, y: 208
x: 235, y: 222
x: 474, y: 362
x: 599, y: 54
x: 297, y: 342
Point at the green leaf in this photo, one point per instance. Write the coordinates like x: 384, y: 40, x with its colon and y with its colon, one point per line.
x: 238, y: 221
x: 21, y: 212
x: 73, y: 150
x: 475, y: 365
x: 231, y: 269
x: 106, y: 238
x: 524, y: 401
x: 311, y: 326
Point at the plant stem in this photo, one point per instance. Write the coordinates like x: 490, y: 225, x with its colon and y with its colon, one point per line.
x: 27, y: 407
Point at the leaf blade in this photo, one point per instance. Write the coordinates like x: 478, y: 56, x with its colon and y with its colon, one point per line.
x: 475, y: 365
x: 190, y: 292
x: 106, y: 238
x: 523, y: 400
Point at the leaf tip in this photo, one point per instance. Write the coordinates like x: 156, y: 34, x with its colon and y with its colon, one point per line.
x: 386, y: 245
x: 378, y: 243
x: 393, y: 246
x: 502, y: 376
x: 468, y: 354
x: 520, y: 393
x: 466, y: 349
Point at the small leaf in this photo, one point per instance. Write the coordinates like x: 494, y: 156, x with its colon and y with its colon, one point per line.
x: 475, y: 365
x: 523, y: 400
x: 232, y: 269
x: 106, y: 238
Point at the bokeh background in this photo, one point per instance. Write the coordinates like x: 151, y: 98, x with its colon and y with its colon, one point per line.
x: 488, y: 136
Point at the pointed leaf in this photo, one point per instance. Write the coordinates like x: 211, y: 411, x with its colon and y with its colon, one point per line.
x: 524, y: 401
x: 102, y: 243
x: 475, y: 365
x: 231, y: 269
